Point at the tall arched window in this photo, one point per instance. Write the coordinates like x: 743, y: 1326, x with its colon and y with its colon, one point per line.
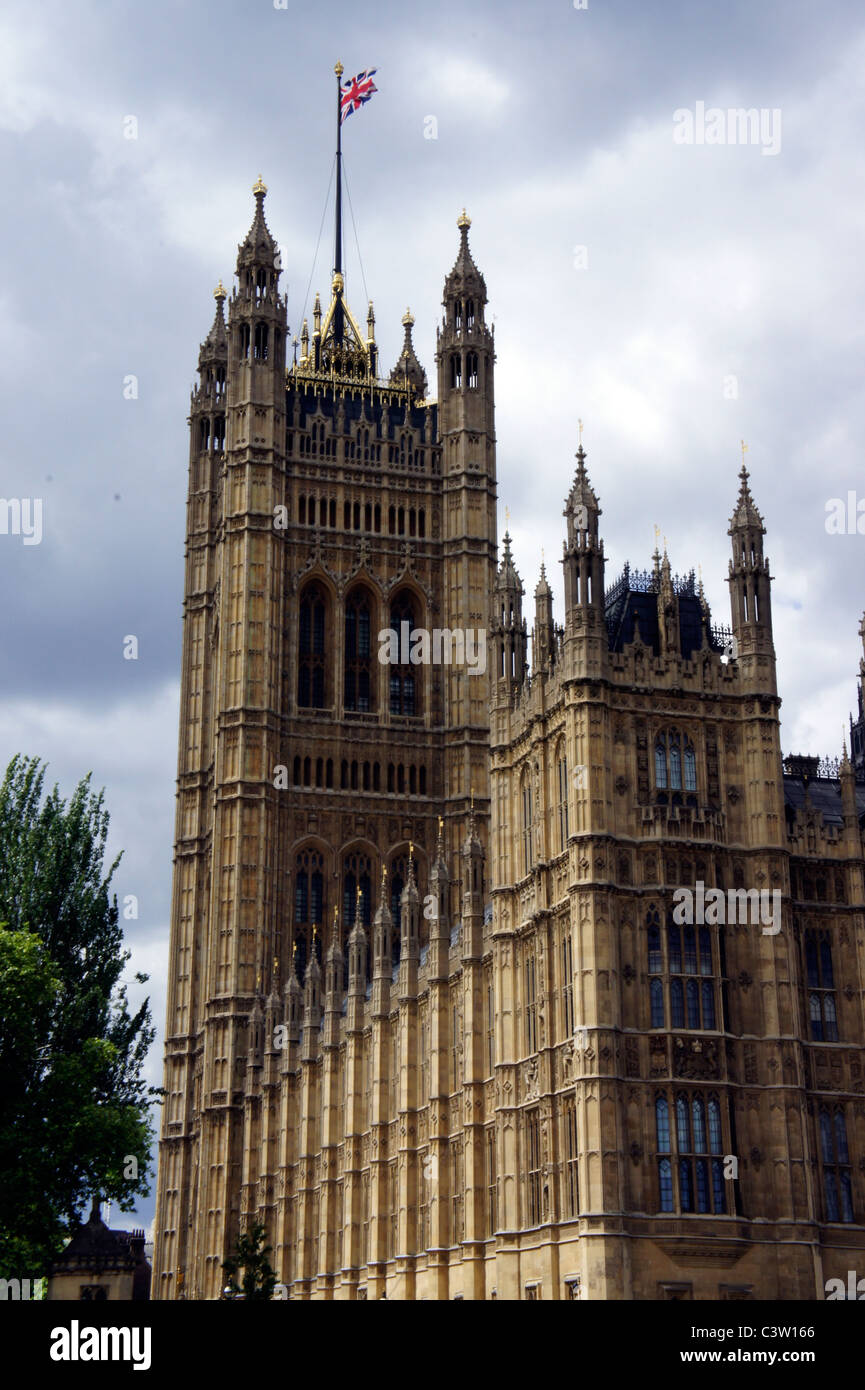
x: 526, y: 813
x: 311, y: 648
x: 261, y: 342
x: 359, y: 683
x: 356, y: 874
x: 835, y: 1163
x: 562, y: 789
x: 402, y: 675
x: 309, y: 904
x: 675, y: 764
x: 472, y: 370
x: 456, y: 370
x: 697, y: 1142
x: 822, y: 1008
x: 470, y: 313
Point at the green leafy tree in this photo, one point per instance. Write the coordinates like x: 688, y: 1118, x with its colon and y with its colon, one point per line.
x: 250, y: 1255
x: 74, y: 1109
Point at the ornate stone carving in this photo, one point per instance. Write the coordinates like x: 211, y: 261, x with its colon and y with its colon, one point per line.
x: 695, y: 1058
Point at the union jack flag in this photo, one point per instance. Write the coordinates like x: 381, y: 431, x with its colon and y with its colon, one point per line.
x: 355, y: 92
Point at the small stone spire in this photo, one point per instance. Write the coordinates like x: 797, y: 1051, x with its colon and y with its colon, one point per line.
x: 408, y: 370
x: 215, y: 345
x: 745, y: 514
x: 465, y: 279
x: 258, y: 248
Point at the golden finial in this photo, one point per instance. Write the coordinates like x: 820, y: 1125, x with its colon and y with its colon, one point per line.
x: 276, y: 965
x: 411, y: 849
x: 408, y: 319
x: 314, y: 930
x: 220, y: 292
x: 507, y: 518
x: 542, y: 555
x: 441, y: 825
x: 335, y: 914
x: 359, y: 893
x: 472, y: 798
x: 665, y: 545
x: 258, y: 979
x: 744, y: 449
x: 294, y: 949
x: 657, y: 534
x: 464, y: 220
x: 259, y: 186
x: 383, y: 874
x: 338, y: 68
x: 580, y: 423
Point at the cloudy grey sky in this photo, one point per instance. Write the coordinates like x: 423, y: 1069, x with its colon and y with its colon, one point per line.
x: 554, y: 127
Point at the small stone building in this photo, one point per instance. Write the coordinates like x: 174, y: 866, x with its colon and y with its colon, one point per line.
x: 99, y: 1263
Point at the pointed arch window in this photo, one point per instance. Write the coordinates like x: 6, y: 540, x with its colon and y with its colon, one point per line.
x: 472, y: 371
x: 359, y: 687
x: 526, y: 827
x: 261, y: 342
x: 562, y: 789
x: 675, y: 763
x: 820, y: 976
x: 456, y: 371
x: 311, y: 664
x: 835, y: 1164
x: 694, y: 1183
x: 470, y: 313
x: 356, y: 873
x: 404, y: 691
x: 685, y: 977
x: 309, y: 903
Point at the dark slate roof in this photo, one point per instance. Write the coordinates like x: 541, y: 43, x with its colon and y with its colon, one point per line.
x: 825, y: 797
x: 633, y: 596
x: 357, y: 411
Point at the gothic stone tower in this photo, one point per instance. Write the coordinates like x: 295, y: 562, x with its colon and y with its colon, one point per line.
x: 678, y: 1100
x: 322, y: 795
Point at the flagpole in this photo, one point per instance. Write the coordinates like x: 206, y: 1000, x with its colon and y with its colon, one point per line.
x: 337, y: 254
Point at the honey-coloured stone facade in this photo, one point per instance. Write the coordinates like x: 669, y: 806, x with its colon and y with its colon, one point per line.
x: 431, y: 1017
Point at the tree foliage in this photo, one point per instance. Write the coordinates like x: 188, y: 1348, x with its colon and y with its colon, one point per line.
x: 74, y: 1109
x: 250, y: 1256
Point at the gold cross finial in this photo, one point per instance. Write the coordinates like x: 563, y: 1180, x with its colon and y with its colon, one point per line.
x: 338, y: 68
x: 507, y: 517
x: 580, y: 423
x: 384, y: 874
x: 744, y: 450
x: 411, y: 849
x: 275, y: 965
x: 314, y: 930
x: 657, y: 534
x: 441, y: 824
x: 259, y: 186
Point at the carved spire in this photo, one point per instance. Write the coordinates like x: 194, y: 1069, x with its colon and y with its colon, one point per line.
x: 408, y: 370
